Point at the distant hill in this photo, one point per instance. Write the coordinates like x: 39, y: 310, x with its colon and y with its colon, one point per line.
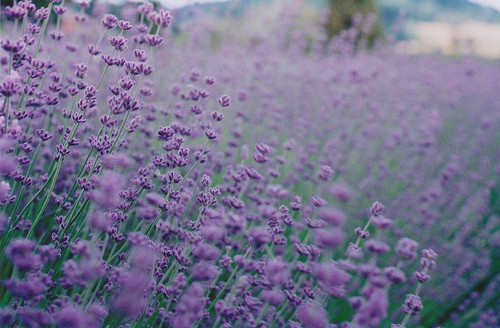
x: 443, y: 11
x: 449, y: 11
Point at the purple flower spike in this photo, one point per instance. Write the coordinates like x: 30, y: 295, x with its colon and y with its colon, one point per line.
x: 224, y: 101
x: 312, y: 315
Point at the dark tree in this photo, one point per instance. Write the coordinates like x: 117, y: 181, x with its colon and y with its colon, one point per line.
x: 342, y: 14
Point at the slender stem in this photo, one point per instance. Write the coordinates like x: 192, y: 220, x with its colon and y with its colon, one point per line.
x: 365, y: 228
x: 227, y: 283
x: 59, y: 17
x: 28, y: 172
x: 58, y: 165
x: 262, y: 314
x: 69, y: 217
x: 25, y: 208
x: 418, y: 289
x: 101, y: 78
x: 6, y: 113
x: 46, y: 200
x: 217, y: 322
x: 36, y: 52
x: 11, y: 60
x: 120, y: 132
x: 42, y: 30
x: 405, y: 320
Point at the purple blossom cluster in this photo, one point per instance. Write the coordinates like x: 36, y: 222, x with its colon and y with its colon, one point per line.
x: 153, y: 179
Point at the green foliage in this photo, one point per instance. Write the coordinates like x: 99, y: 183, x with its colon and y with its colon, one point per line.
x: 342, y: 13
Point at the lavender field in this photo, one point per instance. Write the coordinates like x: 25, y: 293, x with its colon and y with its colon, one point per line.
x: 161, y: 175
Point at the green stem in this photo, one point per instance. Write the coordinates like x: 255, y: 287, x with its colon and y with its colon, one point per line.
x: 5, y: 109
x: 365, y: 228
x: 28, y: 172
x: 82, y: 169
x: 405, y: 320
x: 46, y: 200
x: 58, y: 166
x: 37, y: 51
x: 42, y: 30
x: 262, y: 314
x: 69, y: 217
x: 228, y: 283
x: 418, y: 289
x: 101, y: 78
x: 120, y: 132
x: 25, y: 208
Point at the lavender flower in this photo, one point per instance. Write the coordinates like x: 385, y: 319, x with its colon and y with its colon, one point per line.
x: 129, y: 197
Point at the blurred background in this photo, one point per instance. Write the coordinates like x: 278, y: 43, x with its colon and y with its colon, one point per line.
x: 450, y: 27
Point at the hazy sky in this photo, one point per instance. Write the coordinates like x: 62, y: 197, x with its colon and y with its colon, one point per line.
x: 180, y: 3
x: 168, y: 3
x: 489, y: 3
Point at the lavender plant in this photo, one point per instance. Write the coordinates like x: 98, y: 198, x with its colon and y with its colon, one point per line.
x: 156, y: 180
